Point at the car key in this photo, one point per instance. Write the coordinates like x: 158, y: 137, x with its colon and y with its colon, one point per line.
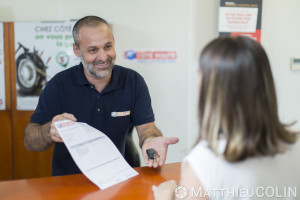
x: 152, y: 154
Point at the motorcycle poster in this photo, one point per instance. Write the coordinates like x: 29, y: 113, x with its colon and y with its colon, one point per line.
x: 2, y: 71
x: 42, y: 49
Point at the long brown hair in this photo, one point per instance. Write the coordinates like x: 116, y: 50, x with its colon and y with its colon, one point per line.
x: 238, y: 100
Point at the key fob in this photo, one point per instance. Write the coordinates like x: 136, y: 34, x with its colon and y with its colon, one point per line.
x: 151, y: 153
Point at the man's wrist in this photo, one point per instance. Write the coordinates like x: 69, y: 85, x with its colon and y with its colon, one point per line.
x: 142, y: 141
x: 46, y: 133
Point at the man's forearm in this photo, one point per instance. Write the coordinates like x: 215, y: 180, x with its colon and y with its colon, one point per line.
x: 37, y: 137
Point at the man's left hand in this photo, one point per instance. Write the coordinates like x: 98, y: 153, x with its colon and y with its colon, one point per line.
x: 160, y: 145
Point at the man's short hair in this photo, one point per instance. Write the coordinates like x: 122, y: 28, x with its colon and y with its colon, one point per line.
x: 91, y: 21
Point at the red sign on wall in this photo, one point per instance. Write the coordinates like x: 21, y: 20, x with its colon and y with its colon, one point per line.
x: 240, y: 17
x: 148, y: 55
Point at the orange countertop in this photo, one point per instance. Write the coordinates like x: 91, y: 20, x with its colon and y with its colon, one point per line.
x: 79, y: 187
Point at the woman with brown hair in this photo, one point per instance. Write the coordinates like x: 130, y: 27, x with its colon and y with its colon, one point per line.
x: 243, y: 150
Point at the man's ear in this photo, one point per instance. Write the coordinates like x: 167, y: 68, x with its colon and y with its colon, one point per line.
x: 113, y: 40
x: 76, y: 50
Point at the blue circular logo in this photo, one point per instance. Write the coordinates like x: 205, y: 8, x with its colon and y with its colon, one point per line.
x: 130, y: 54
x: 114, y: 114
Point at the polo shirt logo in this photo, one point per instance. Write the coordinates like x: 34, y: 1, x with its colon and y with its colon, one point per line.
x: 120, y: 114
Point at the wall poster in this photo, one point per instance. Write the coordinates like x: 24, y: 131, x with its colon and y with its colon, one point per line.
x: 2, y: 70
x: 42, y: 49
x: 240, y: 17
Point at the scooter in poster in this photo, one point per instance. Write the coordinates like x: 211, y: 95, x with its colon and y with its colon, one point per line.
x: 31, y: 71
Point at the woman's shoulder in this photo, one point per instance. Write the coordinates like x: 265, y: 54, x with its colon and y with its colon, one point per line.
x: 203, y: 151
x: 202, y: 158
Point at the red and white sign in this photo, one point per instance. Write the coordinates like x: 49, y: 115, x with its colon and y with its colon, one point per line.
x: 152, y: 56
x: 256, y: 35
x: 237, y: 19
x: 240, y: 17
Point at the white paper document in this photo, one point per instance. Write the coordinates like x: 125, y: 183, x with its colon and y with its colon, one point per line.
x: 94, y: 153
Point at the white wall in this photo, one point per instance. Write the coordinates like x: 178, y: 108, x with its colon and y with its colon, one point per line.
x: 281, y: 39
x: 203, y: 22
x: 186, y: 25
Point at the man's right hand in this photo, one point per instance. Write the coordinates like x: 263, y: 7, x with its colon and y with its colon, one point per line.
x: 53, y: 132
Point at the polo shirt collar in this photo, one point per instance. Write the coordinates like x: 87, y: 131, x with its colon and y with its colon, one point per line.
x: 115, y: 82
x: 80, y: 77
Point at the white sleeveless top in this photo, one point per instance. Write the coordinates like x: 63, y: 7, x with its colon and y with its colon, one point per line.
x: 266, y: 177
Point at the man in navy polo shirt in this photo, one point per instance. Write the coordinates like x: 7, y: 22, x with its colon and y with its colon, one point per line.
x: 106, y: 96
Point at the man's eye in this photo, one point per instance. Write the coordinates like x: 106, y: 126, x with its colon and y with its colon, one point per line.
x: 108, y: 47
x: 92, y: 50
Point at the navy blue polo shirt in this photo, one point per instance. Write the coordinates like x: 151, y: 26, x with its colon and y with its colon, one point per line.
x: 123, y: 103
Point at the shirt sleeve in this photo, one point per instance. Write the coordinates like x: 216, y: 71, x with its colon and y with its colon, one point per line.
x: 142, y: 112
x: 48, y: 104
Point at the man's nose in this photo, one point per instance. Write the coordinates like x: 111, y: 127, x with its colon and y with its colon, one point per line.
x: 102, y: 55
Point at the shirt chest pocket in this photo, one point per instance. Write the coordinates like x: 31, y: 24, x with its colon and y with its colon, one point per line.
x: 121, y: 118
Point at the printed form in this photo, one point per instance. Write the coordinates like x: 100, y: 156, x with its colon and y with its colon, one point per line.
x: 94, y: 153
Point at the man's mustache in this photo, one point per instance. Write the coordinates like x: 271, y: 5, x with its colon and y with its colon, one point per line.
x: 100, y: 62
